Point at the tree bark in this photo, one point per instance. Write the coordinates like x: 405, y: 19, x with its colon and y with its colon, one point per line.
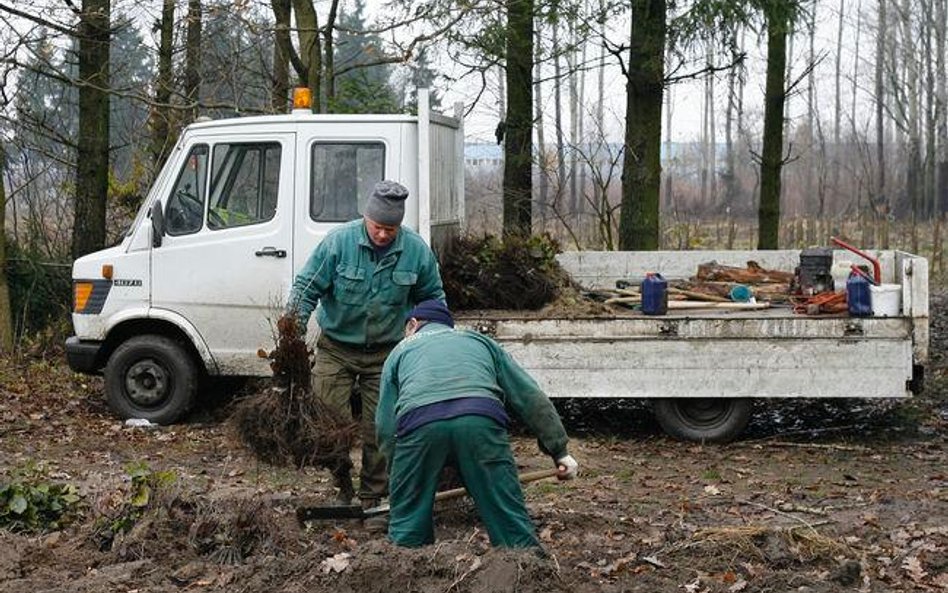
x: 161, y: 113
x: 280, y: 91
x: 518, y: 147
x: 558, y: 111
x: 192, y: 68
x: 730, y: 174
x: 310, y: 68
x: 544, y: 177
x: 6, y: 313
x: 642, y: 166
x: 837, y: 114
x: 92, y: 155
x: 329, y: 69
x: 941, y: 93
x: 778, y: 24
x: 880, y: 203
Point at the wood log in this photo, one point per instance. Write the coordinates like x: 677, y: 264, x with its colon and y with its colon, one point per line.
x: 752, y: 274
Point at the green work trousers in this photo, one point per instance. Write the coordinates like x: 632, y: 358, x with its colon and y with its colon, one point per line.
x: 338, y: 368
x: 480, y: 449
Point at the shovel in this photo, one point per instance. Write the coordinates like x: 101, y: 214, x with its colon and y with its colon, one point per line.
x: 304, y: 514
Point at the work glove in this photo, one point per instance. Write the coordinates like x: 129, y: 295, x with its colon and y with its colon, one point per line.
x: 567, y: 466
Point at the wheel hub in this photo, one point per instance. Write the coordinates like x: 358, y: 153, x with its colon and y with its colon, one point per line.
x: 146, y: 383
x: 704, y: 412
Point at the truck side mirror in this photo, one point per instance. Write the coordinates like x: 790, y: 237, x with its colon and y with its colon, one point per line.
x: 157, y: 224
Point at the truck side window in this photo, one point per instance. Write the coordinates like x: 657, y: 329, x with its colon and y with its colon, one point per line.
x: 244, y: 184
x: 184, y: 212
x: 342, y: 176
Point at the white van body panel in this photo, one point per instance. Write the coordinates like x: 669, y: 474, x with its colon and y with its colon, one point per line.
x: 225, y: 287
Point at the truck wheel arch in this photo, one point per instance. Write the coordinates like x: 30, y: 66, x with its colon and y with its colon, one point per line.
x: 171, y: 328
x: 713, y: 420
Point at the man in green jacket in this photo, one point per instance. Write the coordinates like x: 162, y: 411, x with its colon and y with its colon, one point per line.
x: 445, y: 398
x: 364, y: 277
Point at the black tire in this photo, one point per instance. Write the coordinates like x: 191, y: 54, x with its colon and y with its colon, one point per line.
x: 151, y: 377
x: 713, y: 420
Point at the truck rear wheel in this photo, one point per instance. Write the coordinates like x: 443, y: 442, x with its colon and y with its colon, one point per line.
x: 715, y: 420
x: 151, y: 377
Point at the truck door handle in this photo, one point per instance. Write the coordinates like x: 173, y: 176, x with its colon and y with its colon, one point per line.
x: 271, y: 252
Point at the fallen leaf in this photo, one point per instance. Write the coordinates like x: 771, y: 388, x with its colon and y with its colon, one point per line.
x: 913, y: 566
x: 738, y: 586
x: 337, y: 563
x: 712, y: 490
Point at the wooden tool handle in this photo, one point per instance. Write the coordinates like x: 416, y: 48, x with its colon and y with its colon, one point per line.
x: 524, y: 479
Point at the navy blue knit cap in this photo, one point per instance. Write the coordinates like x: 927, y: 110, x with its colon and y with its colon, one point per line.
x: 432, y: 310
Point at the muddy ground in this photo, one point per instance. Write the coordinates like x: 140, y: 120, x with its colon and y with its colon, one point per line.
x: 818, y: 496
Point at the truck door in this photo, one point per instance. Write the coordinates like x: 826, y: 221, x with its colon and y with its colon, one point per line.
x: 224, y: 264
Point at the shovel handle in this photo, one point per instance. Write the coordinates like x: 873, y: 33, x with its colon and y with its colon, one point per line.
x: 525, y: 478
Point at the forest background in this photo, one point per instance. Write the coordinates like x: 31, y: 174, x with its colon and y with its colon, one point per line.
x: 609, y: 125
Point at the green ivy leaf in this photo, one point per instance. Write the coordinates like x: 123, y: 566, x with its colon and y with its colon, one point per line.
x: 18, y: 504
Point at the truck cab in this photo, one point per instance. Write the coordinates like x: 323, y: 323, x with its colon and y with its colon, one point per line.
x: 197, y: 282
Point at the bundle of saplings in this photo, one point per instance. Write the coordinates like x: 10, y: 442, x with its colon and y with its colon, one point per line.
x: 285, y: 423
x: 514, y: 273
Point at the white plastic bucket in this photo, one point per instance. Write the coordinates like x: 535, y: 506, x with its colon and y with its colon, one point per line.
x: 886, y: 300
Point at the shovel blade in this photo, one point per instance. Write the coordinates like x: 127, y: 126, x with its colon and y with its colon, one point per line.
x: 324, y: 513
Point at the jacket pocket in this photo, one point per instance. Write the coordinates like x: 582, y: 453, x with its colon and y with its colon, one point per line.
x: 349, y: 284
x: 402, y: 284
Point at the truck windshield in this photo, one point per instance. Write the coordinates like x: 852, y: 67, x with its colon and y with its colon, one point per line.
x: 342, y: 176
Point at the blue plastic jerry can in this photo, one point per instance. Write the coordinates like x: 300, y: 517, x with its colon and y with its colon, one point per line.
x: 858, y: 295
x: 654, y: 294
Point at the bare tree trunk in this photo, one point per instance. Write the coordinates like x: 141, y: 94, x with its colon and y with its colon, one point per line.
x: 192, y: 68
x: 280, y: 91
x: 775, y: 95
x: 329, y: 70
x: 558, y: 113
x: 667, y: 172
x: 912, y: 123
x: 164, y: 85
x: 941, y: 95
x: 518, y: 147
x: 712, y: 140
x: 575, y: 109
x: 730, y: 175
x: 705, y: 115
x: 92, y: 155
x: 931, y: 117
x: 639, y: 223
x: 541, y: 130
x: 310, y: 67
x: 837, y: 112
x: 6, y: 313
x: 881, y: 201
x: 600, y: 190
x: 581, y: 116
x: 810, y: 162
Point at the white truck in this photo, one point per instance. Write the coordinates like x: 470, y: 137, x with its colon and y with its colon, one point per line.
x: 234, y: 213
x: 191, y: 291
x: 702, y: 369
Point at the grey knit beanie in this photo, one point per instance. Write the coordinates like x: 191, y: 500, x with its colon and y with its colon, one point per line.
x: 386, y: 204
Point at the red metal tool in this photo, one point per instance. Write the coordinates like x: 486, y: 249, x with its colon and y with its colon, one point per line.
x: 876, y: 268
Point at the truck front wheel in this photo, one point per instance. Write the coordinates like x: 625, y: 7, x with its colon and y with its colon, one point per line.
x: 151, y: 377
x: 715, y: 420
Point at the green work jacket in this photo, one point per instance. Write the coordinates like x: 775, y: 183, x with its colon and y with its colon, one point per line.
x: 362, y: 300
x: 439, y: 363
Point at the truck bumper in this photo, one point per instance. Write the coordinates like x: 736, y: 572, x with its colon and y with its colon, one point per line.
x: 82, y: 356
